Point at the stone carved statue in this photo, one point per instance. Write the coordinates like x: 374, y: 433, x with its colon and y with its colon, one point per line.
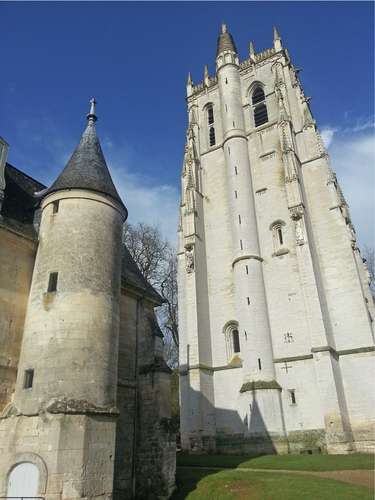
x: 189, y: 256
x: 296, y: 214
x: 300, y: 238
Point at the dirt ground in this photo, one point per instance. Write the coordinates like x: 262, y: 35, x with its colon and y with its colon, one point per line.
x: 361, y: 477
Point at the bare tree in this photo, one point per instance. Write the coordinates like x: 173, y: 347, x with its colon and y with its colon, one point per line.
x: 369, y: 259
x: 157, y: 261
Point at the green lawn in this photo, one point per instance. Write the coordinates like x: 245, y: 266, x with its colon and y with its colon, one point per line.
x: 199, y: 484
x: 290, y: 462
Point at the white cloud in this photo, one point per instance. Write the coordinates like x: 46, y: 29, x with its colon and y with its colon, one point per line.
x: 327, y: 134
x: 146, y: 199
x: 353, y: 159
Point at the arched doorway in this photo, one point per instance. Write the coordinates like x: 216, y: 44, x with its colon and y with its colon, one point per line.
x: 23, y: 480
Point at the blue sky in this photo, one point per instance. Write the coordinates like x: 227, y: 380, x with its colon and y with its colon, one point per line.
x: 134, y: 58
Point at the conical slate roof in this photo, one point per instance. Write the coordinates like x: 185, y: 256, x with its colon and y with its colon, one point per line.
x: 87, y: 168
x: 225, y: 41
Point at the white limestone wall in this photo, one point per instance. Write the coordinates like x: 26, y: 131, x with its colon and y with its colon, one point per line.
x: 219, y: 252
x: 358, y: 372
x: 227, y: 386
x: 306, y: 414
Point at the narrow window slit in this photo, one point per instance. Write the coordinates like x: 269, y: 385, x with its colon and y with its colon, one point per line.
x: 236, y: 341
x: 28, y: 378
x: 55, y: 207
x: 239, y: 218
x: 247, y: 269
x: 280, y: 234
x: 259, y: 364
x: 292, y: 394
x: 248, y: 301
x: 241, y: 246
x: 52, y: 282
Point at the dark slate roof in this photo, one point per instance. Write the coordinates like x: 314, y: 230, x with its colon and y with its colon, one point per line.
x: 17, y: 214
x: 225, y: 42
x: 19, y: 204
x: 131, y: 275
x: 87, y: 168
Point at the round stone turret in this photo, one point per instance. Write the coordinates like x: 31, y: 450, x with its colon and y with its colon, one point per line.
x: 69, y: 352
x: 250, y: 295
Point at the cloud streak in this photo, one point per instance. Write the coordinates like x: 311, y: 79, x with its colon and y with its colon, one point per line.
x: 352, y: 152
x: 146, y: 199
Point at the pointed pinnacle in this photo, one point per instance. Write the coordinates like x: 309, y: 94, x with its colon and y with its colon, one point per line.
x: 276, y: 35
x: 205, y: 71
x: 223, y: 28
x: 189, y: 80
x: 251, y: 49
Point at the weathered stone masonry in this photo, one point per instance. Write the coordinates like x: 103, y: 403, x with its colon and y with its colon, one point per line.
x: 84, y: 389
x: 276, y: 315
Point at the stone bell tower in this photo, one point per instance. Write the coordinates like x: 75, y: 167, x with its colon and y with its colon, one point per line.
x: 62, y: 419
x: 270, y: 274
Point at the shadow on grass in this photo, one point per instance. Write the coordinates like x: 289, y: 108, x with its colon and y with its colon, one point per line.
x: 187, y: 480
x: 213, y: 460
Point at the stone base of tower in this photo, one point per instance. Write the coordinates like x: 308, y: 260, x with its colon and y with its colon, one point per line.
x: 72, y: 456
x: 297, y: 442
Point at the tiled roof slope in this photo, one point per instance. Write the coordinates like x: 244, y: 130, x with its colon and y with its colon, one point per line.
x: 19, y: 205
x: 18, y: 211
x: 87, y: 168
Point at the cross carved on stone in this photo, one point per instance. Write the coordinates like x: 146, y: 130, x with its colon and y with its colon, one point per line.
x: 286, y: 367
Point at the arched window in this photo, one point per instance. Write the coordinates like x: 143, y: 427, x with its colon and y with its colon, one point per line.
x: 278, y: 235
x: 258, y: 100
x: 232, y: 341
x: 236, y: 341
x: 211, y: 128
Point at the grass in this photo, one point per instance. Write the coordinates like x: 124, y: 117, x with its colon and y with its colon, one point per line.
x: 199, y: 484
x: 288, y: 462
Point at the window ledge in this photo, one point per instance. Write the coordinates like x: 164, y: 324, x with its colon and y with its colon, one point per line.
x: 281, y: 251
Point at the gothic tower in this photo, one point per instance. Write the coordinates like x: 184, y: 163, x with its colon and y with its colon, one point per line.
x: 276, y: 316
x: 63, y: 414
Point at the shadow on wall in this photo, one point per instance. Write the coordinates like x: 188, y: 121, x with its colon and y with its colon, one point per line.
x: 210, y: 429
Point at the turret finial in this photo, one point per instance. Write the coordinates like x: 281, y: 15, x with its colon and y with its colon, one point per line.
x: 189, y: 85
x: 92, y: 116
x: 251, y: 50
x: 206, y: 76
x: 223, y: 28
x: 276, y: 39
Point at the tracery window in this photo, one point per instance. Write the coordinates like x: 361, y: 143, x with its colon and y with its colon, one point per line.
x: 211, y: 128
x: 258, y: 100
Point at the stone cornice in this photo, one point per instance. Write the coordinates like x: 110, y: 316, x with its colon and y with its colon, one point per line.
x: 247, y: 257
x: 293, y: 358
x: 185, y: 370
x: 258, y: 385
x: 329, y: 349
